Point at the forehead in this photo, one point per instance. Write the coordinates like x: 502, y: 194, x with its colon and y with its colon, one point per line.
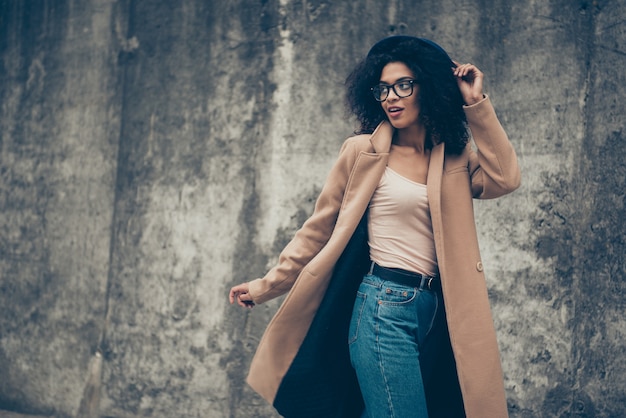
x: 395, y: 71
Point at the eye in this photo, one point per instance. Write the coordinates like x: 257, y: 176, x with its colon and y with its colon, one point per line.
x: 404, y: 85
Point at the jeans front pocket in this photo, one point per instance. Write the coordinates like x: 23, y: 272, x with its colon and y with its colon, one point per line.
x: 357, y: 314
x: 392, y: 294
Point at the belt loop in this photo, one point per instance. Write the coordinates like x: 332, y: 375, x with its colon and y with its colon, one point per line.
x: 371, y: 269
x: 423, y: 282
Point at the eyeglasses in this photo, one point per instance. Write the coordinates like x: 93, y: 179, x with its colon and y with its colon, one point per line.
x: 403, y: 88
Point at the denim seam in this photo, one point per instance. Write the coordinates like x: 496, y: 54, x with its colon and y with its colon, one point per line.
x: 380, y: 361
x: 352, y: 339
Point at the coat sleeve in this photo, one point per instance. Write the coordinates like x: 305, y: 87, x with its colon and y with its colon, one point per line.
x: 493, y: 166
x: 314, y: 233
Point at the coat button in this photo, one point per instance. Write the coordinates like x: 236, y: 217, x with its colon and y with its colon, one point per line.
x: 479, y: 266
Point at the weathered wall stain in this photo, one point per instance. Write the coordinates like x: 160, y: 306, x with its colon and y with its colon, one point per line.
x: 154, y: 153
x: 584, y: 211
x: 58, y: 127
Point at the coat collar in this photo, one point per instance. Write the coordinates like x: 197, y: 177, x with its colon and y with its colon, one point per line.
x: 381, y: 137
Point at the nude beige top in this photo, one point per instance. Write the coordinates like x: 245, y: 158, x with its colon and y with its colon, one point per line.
x: 400, y: 231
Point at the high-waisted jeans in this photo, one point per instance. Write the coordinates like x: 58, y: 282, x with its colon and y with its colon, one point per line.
x: 394, y: 336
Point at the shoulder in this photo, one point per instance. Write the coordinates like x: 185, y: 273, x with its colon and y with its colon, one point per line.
x: 351, y: 149
x: 358, y: 143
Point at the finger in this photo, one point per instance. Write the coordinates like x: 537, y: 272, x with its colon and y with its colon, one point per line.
x: 235, y: 291
x: 466, y: 69
x: 474, y: 71
x: 245, y: 301
x: 461, y: 70
x: 244, y: 298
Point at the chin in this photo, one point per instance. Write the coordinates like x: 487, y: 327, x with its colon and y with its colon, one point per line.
x: 398, y: 124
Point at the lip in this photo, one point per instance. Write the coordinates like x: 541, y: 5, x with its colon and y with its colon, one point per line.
x: 395, y: 111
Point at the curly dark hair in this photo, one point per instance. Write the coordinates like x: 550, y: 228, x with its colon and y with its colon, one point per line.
x: 441, y: 103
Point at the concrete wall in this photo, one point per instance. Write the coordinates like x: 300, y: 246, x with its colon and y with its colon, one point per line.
x: 154, y: 153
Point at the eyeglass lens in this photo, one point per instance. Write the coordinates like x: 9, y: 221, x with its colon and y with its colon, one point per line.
x: 402, y: 89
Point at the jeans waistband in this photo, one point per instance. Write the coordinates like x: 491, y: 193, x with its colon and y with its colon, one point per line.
x: 406, y: 278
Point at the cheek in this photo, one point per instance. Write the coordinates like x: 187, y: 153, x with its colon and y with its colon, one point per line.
x: 415, y: 109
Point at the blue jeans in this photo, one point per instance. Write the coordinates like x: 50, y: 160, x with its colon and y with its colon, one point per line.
x: 394, y: 336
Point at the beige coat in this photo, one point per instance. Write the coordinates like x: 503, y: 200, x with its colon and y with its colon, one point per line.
x: 306, y: 264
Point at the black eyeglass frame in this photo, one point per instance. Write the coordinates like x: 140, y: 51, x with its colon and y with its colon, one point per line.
x: 393, y: 86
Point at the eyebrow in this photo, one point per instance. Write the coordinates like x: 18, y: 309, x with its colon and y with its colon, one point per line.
x: 405, y: 78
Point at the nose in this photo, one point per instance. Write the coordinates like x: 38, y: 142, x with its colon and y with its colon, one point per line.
x: 392, y: 95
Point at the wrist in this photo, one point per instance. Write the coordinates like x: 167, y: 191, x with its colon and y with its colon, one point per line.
x: 474, y: 99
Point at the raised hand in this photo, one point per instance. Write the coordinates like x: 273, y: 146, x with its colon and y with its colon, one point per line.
x: 470, y: 81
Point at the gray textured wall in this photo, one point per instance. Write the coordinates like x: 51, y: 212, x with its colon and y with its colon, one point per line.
x: 154, y: 153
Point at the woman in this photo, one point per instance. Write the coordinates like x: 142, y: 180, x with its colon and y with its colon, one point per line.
x: 406, y: 188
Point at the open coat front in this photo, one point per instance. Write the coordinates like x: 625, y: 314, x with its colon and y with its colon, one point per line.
x: 307, y: 263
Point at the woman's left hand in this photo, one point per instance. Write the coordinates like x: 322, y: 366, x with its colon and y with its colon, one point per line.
x: 241, y: 295
x: 470, y: 81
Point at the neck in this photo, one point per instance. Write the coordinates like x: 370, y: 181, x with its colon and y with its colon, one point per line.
x: 413, y: 136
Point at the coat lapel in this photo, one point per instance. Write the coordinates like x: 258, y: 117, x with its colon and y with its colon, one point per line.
x: 433, y: 188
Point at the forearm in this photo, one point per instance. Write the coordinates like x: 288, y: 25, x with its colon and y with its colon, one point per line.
x: 494, y: 168
x: 312, y: 237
